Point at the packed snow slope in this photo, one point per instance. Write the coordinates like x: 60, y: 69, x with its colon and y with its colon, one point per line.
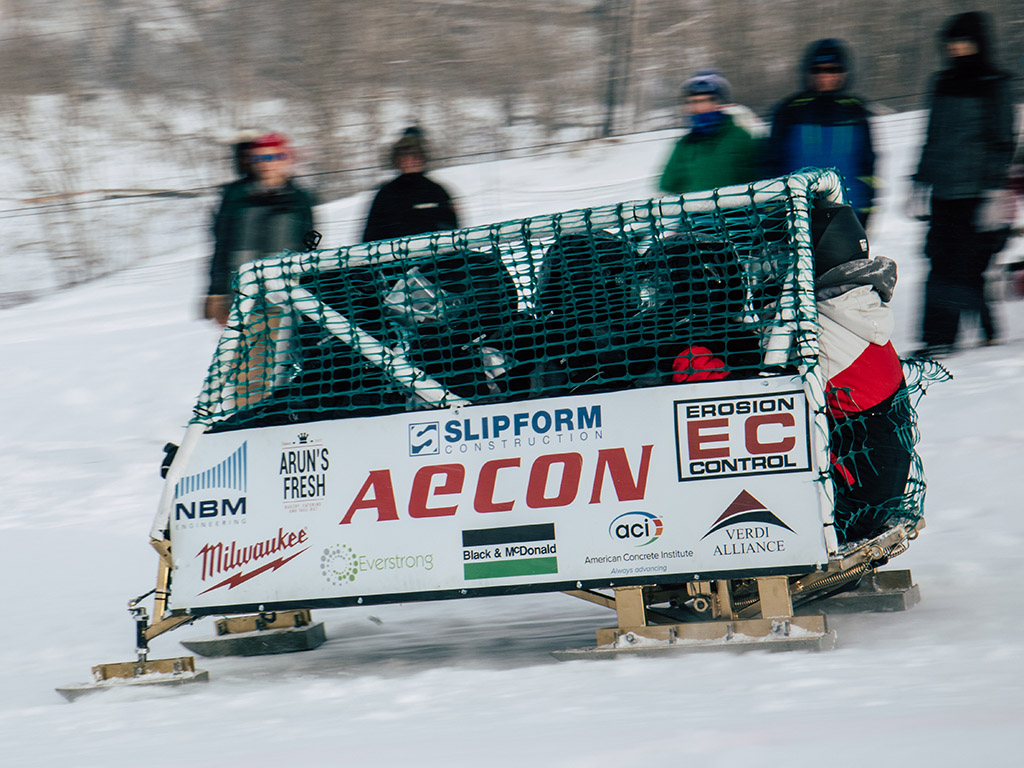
x: 97, y: 379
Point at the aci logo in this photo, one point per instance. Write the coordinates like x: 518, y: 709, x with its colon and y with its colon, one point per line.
x: 637, y: 528
x: 231, y: 474
x: 750, y: 528
x: 424, y: 439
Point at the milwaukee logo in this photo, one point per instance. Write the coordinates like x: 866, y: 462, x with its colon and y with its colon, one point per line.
x: 249, y: 561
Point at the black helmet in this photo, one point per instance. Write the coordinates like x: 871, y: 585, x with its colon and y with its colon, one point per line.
x: 837, y: 235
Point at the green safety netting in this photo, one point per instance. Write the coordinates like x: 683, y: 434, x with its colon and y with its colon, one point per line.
x: 632, y: 295
x: 858, y: 515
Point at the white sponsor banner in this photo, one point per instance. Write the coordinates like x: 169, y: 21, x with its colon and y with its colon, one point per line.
x: 600, y: 489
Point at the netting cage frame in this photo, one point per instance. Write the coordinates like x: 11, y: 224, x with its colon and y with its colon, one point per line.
x: 276, y: 287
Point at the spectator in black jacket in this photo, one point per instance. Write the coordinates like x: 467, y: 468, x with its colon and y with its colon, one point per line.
x: 411, y: 204
x: 824, y: 126
x: 965, y: 166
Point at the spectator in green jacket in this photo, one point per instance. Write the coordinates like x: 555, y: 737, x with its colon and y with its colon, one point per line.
x: 716, y: 152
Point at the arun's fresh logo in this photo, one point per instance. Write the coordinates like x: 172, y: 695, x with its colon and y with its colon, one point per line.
x: 748, y: 526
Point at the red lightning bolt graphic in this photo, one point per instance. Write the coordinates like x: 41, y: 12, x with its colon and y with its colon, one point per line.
x: 239, y: 578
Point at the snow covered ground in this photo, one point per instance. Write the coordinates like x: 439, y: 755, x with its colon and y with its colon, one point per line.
x: 97, y: 379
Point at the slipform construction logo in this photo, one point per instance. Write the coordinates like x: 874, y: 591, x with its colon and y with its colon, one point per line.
x: 424, y: 439
x: 520, y: 550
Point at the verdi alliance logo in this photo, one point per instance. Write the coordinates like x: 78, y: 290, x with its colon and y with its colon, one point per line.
x: 750, y: 528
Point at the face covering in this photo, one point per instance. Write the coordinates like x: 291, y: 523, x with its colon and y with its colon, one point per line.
x: 706, y: 122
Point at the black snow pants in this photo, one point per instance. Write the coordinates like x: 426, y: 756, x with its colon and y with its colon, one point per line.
x: 959, y: 255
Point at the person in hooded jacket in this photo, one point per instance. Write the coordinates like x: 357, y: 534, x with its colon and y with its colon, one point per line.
x: 824, y: 126
x: 716, y: 152
x: 410, y: 204
x: 867, y: 408
x: 964, y: 165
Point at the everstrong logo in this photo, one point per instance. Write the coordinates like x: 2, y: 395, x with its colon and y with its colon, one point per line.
x: 249, y: 560
x: 637, y: 528
x: 340, y: 564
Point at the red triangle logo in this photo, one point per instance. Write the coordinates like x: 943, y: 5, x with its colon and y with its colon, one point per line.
x: 742, y: 503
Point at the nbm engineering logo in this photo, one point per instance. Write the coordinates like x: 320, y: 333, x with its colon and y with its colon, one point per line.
x: 425, y: 439
x: 637, y: 528
x: 231, y: 474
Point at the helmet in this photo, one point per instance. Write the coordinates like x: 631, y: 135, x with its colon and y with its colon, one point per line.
x: 837, y: 235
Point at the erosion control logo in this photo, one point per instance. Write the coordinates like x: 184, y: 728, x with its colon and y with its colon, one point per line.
x: 636, y: 528
x: 521, y: 550
x: 214, y: 504
x: 741, y: 436
x: 749, y: 527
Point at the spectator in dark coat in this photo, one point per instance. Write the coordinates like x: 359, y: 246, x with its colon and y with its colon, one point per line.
x: 411, y: 204
x: 965, y: 165
x: 259, y: 216
x: 824, y: 126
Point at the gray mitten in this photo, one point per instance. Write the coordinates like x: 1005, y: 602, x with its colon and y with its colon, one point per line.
x: 996, y: 211
x: 919, y: 201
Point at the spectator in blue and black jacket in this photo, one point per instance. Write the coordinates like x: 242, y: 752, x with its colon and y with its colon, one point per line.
x: 824, y: 126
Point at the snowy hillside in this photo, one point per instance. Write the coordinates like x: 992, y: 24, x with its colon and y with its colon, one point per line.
x: 97, y: 379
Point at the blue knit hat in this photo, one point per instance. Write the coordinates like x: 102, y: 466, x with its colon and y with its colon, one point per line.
x: 707, y: 82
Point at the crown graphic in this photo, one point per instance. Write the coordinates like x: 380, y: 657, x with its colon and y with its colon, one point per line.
x: 303, y: 437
